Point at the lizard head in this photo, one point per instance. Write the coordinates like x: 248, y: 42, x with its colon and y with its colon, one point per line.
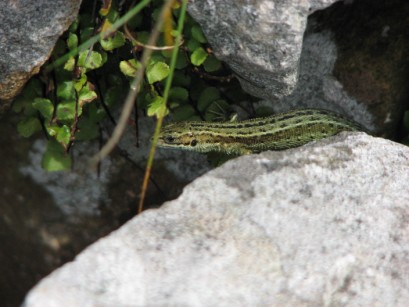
x: 178, y: 136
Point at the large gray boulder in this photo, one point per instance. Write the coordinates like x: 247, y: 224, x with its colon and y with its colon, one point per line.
x: 324, y: 224
x: 28, y: 32
x: 260, y: 40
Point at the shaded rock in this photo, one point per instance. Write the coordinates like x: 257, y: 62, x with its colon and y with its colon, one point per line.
x: 260, y: 40
x: 358, y: 69
x: 324, y: 224
x: 317, y: 87
x: 372, y: 55
x: 28, y: 32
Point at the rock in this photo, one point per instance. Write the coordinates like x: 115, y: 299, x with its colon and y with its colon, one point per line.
x: 28, y: 32
x: 328, y: 61
x: 318, y: 88
x: 369, y: 65
x: 323, y: 224
x: 260, y: 40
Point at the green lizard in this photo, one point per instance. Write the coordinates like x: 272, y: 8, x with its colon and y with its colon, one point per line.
x: 277, y: 132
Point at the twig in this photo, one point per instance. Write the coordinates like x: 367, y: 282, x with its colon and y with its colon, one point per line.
x: 135, y: 87
x: 165, y: 98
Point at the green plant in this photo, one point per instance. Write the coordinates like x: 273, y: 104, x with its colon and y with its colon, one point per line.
x: 99, y: 59
x: 93, y: 64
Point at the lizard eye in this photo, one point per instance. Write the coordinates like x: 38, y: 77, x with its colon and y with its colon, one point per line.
x: 193, y: 143
x: 169, y: 139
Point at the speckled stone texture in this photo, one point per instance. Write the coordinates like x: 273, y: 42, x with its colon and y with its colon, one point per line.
x: 28, y: 32
x: 325, y: 224
x: 260, y: 40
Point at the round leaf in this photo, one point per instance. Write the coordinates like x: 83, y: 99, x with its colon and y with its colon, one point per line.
x: 157, y: 72
x: 66, y: 110
x: 111, y: 43
x: 178, y: 93
x: 63, y: 135
x: 90, y: 59
x: 212, y: 64
x: 65, y: 90
x: 55, y: 158
x: 208, y: 95
x: 198, y: 34
x: 45, y: 107
x: 28, y: 126
x: 70, y: 64
x: 183, y: 112
x: 158, y: 107
x: 72, y: 41
x: 129, y: 68
x: 86, y: 95
x: 217, y: 111
x: 198, y: 56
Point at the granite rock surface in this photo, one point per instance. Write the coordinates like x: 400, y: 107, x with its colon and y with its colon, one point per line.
x: 323, y: 224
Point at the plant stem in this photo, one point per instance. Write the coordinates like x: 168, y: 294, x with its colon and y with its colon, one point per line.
x: 165, y: 98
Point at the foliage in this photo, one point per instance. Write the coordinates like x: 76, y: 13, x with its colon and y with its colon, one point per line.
x: 69, y: 102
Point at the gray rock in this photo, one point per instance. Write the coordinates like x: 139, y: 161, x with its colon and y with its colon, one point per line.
x: 28, y: 32
x: 260, y: 40
x: 317, y: 87
x: 324, y: 224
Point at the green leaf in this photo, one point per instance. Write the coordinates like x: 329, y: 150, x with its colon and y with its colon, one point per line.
x: 70, y: 64
x: 157, y: 72
x: 90, y: 59
x: 158, y: 107
x: 178, y: 93
x: 24, y: 104
x: 198, y: 35
x: 52, y: 129
x: 63, y: 135
x: 111, y: 43
x: 212, y: 64
x: 193, y: 44
x: 80, y: 83
x: 45, y: 106
x: 130, y: 67
x: 183, y: 112
x: 86, y: 95
x: 217, y: 111
x: 72, y: 41
x: 28, y: 126
x: 198, y: 56
x: 65, y: 90
x: 208, y: 95
x: 66, y: 110
x: 55, y: 158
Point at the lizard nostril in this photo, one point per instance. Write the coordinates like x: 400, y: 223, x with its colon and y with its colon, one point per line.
x: 193, y: 143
